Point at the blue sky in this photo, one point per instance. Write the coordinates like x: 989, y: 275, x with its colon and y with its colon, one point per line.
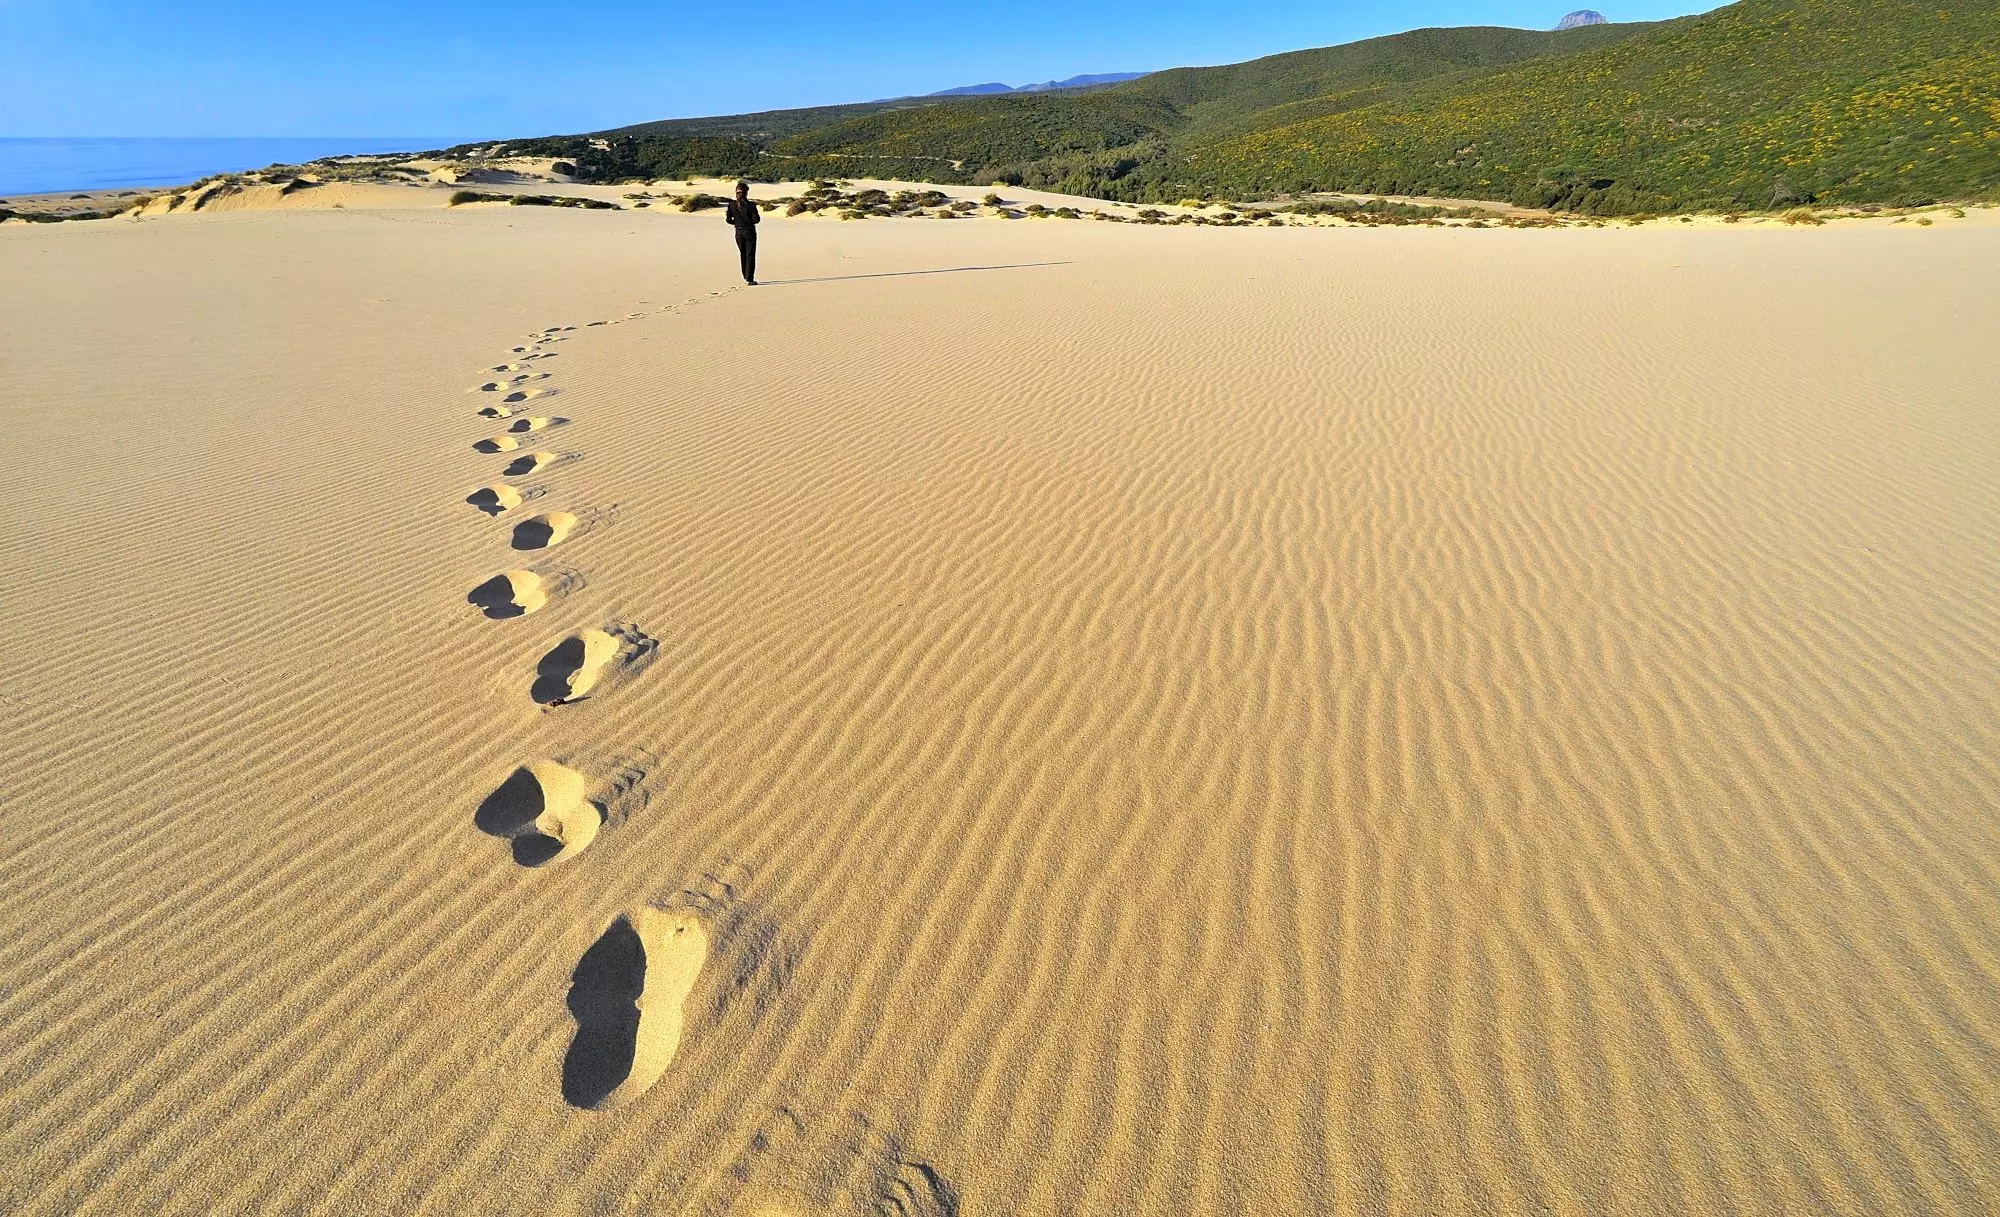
x: 504, y: 67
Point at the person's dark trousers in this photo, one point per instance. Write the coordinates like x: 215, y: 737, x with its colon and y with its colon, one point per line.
x: 746, y: 245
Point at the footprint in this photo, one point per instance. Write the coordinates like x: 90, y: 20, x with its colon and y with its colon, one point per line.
x: 570, y: 671
x: 507, y: 367
x: 491, y: 386
x: 517, y: 350
x: 516, y: 593
x: 529, y: 462
x: 543, y: 807
x: 527, y: 395
x: 534, y: 422
x: 807, y: 1166
x: 545, y: 530
x: 581, y: 662
x: 915, y: 1190
x: 499, y: 443
x: 500, y: 498
x: 495, y: 412
x: 628, y: 995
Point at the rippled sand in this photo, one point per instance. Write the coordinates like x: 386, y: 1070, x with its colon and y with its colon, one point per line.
x: 1009, y: 718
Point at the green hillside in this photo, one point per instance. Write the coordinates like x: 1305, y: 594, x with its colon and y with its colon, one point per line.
x: 1763, y: 103
x: 762, y: 126
x: 983, y: 131
x: 1755, y: 105
x: 1084, y: 142
x: 1219, y: 97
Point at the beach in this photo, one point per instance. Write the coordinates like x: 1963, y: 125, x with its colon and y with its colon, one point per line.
x: 1021, y: 717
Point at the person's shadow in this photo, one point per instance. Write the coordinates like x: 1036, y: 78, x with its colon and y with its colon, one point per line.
x: 897, y: 274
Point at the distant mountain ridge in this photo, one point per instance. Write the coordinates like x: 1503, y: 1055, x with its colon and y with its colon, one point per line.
x: 1074, y: 82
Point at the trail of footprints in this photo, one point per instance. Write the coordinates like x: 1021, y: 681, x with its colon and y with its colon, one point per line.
x: 632, y: 992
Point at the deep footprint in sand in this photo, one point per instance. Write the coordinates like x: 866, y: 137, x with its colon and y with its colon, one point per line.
x: 628, y: 995
x: 495, y: 412
x: 526, y: 463
x: 571, y: 669
x: 544, y: 809
x: 499, y: 443
x: 578, y: 664
x: 514, y: 593
x: 545, y: 530
x: 501, y: 498
x: 534, y: 422
x: 521, y: 395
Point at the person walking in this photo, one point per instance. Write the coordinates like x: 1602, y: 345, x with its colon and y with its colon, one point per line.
x: 742, y: 216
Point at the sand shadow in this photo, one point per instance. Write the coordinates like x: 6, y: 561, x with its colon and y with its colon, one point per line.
x: 542, y: 811
x: 512, y: 594
x: 588, y: 660
x: 604, y: 999
x: 534, y: 849
x: 558, y: 668
x: 528, y: 463
x: 628, y: 994
x: 512, y: 807
x: 542, y: 531
x: 897, y: 274
x: 496, y: 500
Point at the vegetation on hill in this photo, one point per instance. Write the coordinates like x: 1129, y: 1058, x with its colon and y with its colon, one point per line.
x: 995, y: 129
x: 1215, y: 98
x: 764, y: 125
x: 1764, y: 103
x: 618, y: 158
x: 1761, y: 104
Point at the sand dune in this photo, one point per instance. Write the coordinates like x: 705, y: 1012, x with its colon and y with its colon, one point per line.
x: 1069, y: 719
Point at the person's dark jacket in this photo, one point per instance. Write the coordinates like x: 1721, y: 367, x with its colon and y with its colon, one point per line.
x: 743, y: 214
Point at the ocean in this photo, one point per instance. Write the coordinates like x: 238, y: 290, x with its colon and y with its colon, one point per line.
x: 47, y: 165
